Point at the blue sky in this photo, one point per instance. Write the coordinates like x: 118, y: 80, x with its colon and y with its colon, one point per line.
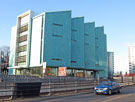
x: 117, y: 17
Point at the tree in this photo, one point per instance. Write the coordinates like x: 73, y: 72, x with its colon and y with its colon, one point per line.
x: 4, y: 59
x: 5, y: 50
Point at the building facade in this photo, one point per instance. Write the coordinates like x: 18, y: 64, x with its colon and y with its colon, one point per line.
x: 110, y: 64
x: 1, y: 57
x: 4, y: 62
x: 59, y: 40
x: 131, y: 58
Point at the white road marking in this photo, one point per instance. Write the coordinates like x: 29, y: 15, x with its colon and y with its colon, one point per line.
x: 114, y: 98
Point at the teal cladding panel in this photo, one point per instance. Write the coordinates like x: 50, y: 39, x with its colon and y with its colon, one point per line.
x: 77, y: 42
x: 99, y: 47
x: 57, y: 39
x: 105, y: 55
x: 89, y: 45
x: 101, y: 51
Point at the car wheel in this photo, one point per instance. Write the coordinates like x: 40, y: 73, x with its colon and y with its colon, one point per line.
x: 110, y: 92
x: 96, y: 93
x: 119, y: 91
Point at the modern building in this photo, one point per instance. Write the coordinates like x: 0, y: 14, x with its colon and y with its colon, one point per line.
x: 110, y: 64
x: 131, y: 58
x: 4, y: 61
x: 59, y: 40
x: 0, y: 60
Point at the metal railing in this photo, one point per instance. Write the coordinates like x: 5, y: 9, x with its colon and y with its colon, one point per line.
x: 22, y: 38
x: 125, y: 80
x: 23, y: 28
x: 8, y: 89
x: 21, y: 59
x: 51, y: 85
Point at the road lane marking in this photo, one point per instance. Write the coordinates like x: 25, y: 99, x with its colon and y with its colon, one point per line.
x: 114, y: 98
x: 91, y: 96
x: 52, y: 98
x: 104, y: 98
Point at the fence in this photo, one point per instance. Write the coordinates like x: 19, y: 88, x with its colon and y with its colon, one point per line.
x: 51, y: 85
x: 125, y: 80
x: 75, y: 86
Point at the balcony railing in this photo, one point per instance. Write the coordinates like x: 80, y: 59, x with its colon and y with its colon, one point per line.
x: 22, y: 48
x: 23, y: 28
x: 22, y: 38
x: 20, y: 59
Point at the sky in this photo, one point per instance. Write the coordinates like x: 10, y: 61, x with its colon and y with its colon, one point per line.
x: 117, y: 17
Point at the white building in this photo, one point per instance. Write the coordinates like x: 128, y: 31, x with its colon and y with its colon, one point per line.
x: 131, y: 58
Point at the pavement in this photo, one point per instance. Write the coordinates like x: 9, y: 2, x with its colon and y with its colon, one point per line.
x: 127, y: 95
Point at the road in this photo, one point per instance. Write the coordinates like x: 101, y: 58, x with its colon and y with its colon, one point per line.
x: 127, y: 95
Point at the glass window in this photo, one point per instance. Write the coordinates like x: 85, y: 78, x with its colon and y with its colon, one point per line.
x: 36, y: 71
x: 70, y: 72
x: 51, y: 71
x: 23, y: 28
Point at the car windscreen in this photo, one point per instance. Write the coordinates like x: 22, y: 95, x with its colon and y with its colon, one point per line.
x: 105, y: 83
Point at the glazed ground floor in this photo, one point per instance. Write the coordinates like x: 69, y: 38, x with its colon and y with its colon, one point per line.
x: 54, y: 71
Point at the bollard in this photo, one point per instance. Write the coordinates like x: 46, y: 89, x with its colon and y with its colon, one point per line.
x: 128, y: 80
x: 121, y: 79
x: 13, y: 93
x: 49, y: 87
x: 98, y: 78
x: 132, y: 79
x: 76, y: 86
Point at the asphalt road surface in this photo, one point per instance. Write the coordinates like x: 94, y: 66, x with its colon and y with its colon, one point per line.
x: 127, y: 95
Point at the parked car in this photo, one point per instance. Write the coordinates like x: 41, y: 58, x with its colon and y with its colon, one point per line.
x: 108, y: 87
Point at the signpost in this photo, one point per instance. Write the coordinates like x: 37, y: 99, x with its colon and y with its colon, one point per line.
x: 62, y: 71
x: 44, y: 67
